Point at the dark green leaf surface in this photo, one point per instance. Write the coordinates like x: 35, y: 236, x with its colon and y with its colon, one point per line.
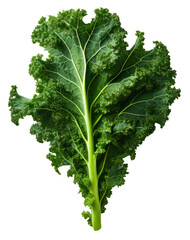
x: 95, y: 97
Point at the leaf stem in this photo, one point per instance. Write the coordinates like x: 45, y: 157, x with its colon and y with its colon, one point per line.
x: 92, y: 167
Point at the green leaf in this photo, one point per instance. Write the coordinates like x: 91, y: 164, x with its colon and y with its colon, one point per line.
x: 96, y: 100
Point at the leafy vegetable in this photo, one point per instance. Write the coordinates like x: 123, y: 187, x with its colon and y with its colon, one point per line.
x: 96, y: 100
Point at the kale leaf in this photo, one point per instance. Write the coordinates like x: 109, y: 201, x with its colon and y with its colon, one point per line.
x: 96, y: 100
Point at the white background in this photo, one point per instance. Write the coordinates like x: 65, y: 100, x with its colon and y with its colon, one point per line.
x: 37, y: 203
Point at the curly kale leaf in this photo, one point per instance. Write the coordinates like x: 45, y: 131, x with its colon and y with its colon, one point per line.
x: 96, y: 100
